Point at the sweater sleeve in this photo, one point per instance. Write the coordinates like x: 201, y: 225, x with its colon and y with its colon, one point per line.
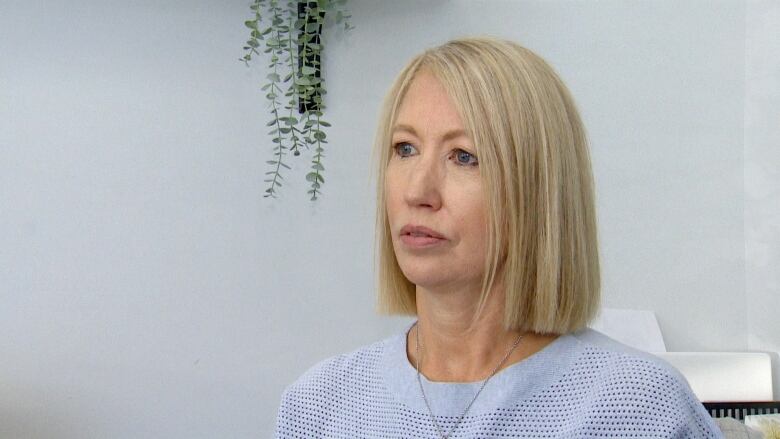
x: 304, y: 410
x: 646, y: 399
x: 284, y: 416
x: 694, y: 421
x: 298, y: 416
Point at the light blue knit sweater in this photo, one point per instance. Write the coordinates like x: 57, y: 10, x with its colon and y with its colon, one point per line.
x: 582, y: 385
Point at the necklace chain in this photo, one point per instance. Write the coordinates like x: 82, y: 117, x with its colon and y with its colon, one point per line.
x: 446, y: 436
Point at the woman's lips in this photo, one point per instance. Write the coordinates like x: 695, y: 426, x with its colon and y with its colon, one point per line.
x: 420, y: 230
x: 420, y: 237
x: 421, y: 241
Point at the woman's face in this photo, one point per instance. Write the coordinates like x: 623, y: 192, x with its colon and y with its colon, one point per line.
x: 433, y: 180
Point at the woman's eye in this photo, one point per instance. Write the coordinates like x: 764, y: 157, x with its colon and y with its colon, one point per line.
x: 403, y: 149
x: 464, y: 158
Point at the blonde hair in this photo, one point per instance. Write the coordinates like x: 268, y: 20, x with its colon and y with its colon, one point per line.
x: 536, y: 173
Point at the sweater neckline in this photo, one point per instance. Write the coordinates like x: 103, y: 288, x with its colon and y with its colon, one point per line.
x: 515, y: 383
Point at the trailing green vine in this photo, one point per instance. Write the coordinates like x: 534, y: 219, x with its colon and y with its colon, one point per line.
x: 291, y: 35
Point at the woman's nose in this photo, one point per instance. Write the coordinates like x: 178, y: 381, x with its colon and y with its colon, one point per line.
x: 423, y: 184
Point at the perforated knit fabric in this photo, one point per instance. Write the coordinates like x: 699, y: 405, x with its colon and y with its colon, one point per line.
x: 582, y: 385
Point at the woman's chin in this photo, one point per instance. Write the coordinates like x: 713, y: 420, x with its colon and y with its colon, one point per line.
x: 424, y: 280
x: 431, y: 279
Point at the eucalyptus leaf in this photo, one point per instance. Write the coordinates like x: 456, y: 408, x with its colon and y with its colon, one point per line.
x: 288, y: 38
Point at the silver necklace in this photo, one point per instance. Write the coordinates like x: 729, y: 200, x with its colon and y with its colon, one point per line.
x: 445, y: 436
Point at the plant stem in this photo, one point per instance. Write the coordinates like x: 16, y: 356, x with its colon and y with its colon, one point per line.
x: 280, y: 148
x: 294, y: 87
x: 318, y: 161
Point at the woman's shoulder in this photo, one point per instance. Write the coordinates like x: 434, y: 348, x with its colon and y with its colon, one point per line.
x: 616, y: 358
x: 339, y: 373
x: 626, y: 382
x: 324, y: 398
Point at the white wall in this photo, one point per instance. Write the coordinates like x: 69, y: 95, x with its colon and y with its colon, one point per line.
x: 762, y: 179
x: 148, y: 290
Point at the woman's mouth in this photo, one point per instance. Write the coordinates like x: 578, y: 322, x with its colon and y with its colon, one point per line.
x: 423, y: 241
x: 420, y: 237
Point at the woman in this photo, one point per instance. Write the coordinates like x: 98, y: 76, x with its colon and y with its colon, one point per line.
x: 486, y: 232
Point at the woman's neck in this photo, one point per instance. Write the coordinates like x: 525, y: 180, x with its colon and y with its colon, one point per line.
x: 451, y: 352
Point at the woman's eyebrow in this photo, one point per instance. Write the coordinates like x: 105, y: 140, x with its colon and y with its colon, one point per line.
x: 410, y: 129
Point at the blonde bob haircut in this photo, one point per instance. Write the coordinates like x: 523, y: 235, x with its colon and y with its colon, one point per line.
x: 535, y: 170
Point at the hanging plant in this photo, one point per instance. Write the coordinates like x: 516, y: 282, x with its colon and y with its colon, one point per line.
x: 292, y: 37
